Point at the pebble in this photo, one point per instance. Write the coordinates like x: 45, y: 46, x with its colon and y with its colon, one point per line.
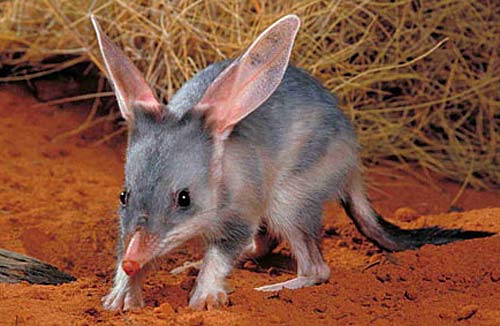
x: 250, y: 265
x: 195, y: 320
x: 273, y: 271
x: 164, y: 311
x: 164, y: 308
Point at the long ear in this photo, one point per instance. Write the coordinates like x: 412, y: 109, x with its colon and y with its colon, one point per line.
x: 251, y: 79
x: 130, y: 87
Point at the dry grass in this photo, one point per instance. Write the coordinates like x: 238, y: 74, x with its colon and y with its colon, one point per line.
x: 419, y: 79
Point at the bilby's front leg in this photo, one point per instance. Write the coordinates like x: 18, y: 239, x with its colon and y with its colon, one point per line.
x: 210, y: 289
x: 218, y: 261
x: 126, y: 293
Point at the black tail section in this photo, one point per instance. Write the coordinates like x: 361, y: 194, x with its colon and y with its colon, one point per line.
x: 411, y: 239
x: 391, y: 237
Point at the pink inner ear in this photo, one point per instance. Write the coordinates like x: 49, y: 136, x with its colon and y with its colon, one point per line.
x: 249, y: 81
x: 217, y: 97
x: 147, y: 97
x: 149, y: 103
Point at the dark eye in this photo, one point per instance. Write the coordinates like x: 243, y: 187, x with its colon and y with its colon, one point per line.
x: 124, y: 197
x: 183, y: 199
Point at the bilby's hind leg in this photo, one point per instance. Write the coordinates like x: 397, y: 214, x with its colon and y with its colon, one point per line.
x: 311, y: 267
x: 301, y: 230
x: 263, y: 243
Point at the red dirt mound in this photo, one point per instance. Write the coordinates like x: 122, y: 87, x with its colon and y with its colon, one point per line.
x: 58, y: 203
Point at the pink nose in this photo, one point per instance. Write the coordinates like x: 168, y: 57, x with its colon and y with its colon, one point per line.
x: 131, y: 267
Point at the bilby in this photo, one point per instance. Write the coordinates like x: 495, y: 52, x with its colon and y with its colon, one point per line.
x: 246, y: 151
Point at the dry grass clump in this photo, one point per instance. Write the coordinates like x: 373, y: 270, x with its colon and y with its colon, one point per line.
x: 419, y: 79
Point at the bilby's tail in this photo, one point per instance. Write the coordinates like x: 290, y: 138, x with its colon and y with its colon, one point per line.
x: 391, y: 237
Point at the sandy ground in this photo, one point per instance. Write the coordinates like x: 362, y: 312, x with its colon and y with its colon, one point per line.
x: 58, y: 203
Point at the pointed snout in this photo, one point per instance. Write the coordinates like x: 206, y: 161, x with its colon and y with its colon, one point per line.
x: 140, y: 249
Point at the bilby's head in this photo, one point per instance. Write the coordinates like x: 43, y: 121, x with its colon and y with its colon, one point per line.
x: 173, y: 173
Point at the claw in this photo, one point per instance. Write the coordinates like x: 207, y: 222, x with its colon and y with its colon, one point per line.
x: 112, y: 303
x: 210, y: 301
x: 117, y: 301
x: 126, y: 293
x: 296, y: 283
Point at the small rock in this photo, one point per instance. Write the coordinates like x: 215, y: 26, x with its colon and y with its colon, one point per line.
x: 164, y: 308
x: 467, y: 312
x: 273, y: 271
x: 495, y: 276
x: 250, y: 265
x: 195, y: 320
x: 406, y: 214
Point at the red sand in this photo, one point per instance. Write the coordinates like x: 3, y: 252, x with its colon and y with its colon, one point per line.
x: 58, y: 203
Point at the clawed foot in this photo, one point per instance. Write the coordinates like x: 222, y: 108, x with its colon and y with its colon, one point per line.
x: 126, y: 293
x: 209, y: 300
x: 119, y: 299
x: 296, y: 283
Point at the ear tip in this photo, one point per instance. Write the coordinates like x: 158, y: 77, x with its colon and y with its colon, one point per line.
x: 95, y: 23
x: 292, y: 19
